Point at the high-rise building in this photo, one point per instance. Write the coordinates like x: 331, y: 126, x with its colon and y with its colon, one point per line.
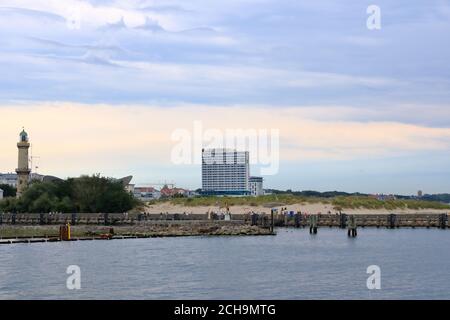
x: 225, y: 172
x: 256, y: 186
x: 23, y: 171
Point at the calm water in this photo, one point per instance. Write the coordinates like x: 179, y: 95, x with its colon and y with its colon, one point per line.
x: 415, y: 264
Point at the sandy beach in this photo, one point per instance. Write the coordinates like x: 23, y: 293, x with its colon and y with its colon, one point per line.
x: 310, y: 208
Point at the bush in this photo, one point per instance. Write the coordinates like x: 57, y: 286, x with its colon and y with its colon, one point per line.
x: 87, y: 194
x: 8, y: 191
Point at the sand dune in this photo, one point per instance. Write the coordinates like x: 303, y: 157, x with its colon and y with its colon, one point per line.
x: 310, y: 208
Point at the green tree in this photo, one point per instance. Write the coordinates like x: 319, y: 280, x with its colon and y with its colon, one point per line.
x: 44, y: 203
x: 8, y: 191
x: 88, y: 194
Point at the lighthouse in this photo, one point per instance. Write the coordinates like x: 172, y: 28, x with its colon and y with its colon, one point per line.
x: 23, y: 171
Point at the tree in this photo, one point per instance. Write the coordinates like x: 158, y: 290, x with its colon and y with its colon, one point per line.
x: 8, y: 191
x: 43, y: 204
x: 9, y: 205
x: 87, y: 194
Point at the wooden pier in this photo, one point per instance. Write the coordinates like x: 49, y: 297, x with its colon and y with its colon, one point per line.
x: 390, y: 221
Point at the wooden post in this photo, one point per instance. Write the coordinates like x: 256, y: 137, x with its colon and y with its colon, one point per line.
x: 254, y: 219
x: 313, y: 224
x: 298, y: 218
x: 343, y: 220
x: 391, y: 221
x: 443, y: 218
x: 271, y: 220
x: 352, y: 227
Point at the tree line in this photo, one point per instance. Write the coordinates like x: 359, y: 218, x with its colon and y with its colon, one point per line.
x: 86, y: 194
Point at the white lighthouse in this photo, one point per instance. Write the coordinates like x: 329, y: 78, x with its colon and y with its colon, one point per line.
x: 23, y: 171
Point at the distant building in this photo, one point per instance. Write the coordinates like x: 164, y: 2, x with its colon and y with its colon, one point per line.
x: 225, y: 172
x: 146, y: 193
x: 256, y: 186
x: 419, y: 194
x: 1, y: 194
x: 383, y: 197
x: 130, y: 188
x: 171, y: 192
x: 9, y: 178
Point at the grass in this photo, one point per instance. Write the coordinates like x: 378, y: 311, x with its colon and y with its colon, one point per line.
x: 371, y: 203
x: 266, y: 201
x: 342, y: 202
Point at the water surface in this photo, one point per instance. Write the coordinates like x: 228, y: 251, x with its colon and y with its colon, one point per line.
x: 415, y: 264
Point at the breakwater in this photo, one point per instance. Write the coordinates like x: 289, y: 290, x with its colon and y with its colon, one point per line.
x: 287, y: 219
x: 149, y: 229
x: 46, y: 227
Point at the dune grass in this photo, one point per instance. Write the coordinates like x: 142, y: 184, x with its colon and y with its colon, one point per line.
x: 266, y: 201
x: 372, y: 203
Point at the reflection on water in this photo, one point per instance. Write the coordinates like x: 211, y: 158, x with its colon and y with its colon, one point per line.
x: 414, y: 264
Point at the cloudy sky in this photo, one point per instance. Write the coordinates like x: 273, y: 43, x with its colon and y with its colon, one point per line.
x: 102, y: 85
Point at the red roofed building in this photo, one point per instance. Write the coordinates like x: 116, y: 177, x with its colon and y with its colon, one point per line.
x: 170, y: 192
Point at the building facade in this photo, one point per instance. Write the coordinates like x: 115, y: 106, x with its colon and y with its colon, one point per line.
x: 146, y: 193
x: 225, y: 172
x: 23, y: 170
x: 9, y: 178
x: 256, y: 186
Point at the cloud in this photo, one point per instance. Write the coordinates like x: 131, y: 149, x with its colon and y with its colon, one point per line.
x: 72, y: 139
x: 337, y: 90
x: 233, y: 52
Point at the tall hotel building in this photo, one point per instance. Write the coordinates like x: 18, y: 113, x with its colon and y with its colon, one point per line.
x: 225, y: 172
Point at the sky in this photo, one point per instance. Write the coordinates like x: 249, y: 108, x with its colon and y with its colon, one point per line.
x: 103, y: 86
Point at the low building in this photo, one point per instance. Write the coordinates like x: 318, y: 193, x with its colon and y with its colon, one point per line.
x: 130, y: 188
x: 9, y: 178
x: 146, y: 193
x: 383, y: 197
x: 172, y: 192
x: 256, y: 186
